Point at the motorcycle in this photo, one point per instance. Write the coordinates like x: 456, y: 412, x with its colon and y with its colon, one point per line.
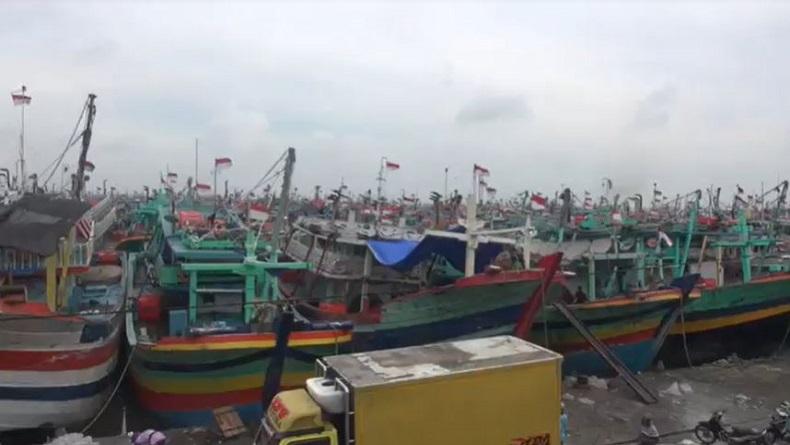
x: 714, y: 429
x: 711, y: 430
x: 780, y: 422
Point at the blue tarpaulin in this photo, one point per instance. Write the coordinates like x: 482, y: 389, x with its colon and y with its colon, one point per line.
x: 404, y: 255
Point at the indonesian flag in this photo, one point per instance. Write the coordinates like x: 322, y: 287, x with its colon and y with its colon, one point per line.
x: 538, y: 202
x: 89, y: 167
x: 391, y: 165
x: 258, y: 212
x: 203, y: 189
x: 21, y: 97
x: 482, y: 171
x: 222, y: 163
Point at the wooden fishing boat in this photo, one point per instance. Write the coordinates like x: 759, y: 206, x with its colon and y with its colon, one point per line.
x: 60, y: 315
x: 202, y: 337
x: 744, y: 314
x: 491, y: 304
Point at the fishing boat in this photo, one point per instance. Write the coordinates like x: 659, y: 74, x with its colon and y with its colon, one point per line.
x: 201, y: 335
x: 745, y: 309
x: 60, y: 313
x: 489, y: 301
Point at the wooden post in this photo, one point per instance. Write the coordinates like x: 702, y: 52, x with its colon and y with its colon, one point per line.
x: 527, y: 243
x: 719, y: 266
x: 591, y: 278
x: 366, y: 269
x: 471, y: 238
x: 193, y: 297
x: 51, y: 264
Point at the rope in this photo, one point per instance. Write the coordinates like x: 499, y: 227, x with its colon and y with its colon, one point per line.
x: 114, y: 391
x: 71, y: 142
x: 683, y: 335
x: 264, y: 178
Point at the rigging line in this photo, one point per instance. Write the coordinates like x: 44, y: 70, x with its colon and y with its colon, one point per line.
x: 114, y: 391
x: 69, y: 144
x: 271, y: 180
x: 260, y: 182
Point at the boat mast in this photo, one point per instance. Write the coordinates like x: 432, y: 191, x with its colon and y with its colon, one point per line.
x: 22, y: 175
x: 282, y: 210
x: 79, y: 183
x: 380, y: 180
x: 196, y: 168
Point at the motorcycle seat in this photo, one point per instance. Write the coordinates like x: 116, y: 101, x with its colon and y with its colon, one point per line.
x: 736, y: 431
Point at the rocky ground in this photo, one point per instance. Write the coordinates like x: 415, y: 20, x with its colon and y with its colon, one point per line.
x: 607, y: 411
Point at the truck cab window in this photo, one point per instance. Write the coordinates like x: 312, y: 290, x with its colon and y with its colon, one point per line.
x: 317, y: 441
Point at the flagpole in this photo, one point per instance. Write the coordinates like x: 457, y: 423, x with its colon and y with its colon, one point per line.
x: 22, y: 148
x: 215, y: 186
x: 446, y: 169
x: 196, y: 163
x: 378, y: 193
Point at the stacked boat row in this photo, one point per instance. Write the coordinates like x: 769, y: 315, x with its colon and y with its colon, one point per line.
x: 200, y: 285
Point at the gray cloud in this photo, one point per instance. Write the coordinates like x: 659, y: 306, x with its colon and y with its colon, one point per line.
x: 345, y: 86
x: 654, y: 110
x: 493, y: 108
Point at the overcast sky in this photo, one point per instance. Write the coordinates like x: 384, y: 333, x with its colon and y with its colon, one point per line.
x: 542, y: 94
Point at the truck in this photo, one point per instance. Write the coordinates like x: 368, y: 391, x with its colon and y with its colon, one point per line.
x: 484, y: 391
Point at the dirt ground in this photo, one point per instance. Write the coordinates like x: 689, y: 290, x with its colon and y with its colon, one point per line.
x: 608, y: 411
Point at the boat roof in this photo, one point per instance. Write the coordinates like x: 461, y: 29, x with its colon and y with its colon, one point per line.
x: 383, y: 367
x: 182, y: 252
x: 35, y: 223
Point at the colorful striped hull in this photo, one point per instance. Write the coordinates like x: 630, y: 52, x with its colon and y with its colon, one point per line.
x: 181, y: 380
x: 732, y: 319
x: 627, y: 325
x: 59, y: 386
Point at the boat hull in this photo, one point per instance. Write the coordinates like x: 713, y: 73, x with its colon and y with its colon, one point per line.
x: 59, y: 386
x: 745, y: 319
x: 484, y: 308
x: 182, y: 380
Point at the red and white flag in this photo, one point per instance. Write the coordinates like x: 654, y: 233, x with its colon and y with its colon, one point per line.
x: 391, y: 165
x: 203, y: 189
x: 20, y: 97
x: 480, y: 170
x: 258, y: 212
x: 222, y: 163
x: 89, y: 167
x: 85, y: 228
x: 538, y: 202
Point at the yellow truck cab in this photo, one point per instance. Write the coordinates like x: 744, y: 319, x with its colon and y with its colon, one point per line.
x: 495, y: 390
x: 293, y: 418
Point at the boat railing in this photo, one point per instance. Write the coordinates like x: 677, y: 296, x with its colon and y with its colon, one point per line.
x: 79, y: 255
x: 103, y: 216
x: 19, y: 262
